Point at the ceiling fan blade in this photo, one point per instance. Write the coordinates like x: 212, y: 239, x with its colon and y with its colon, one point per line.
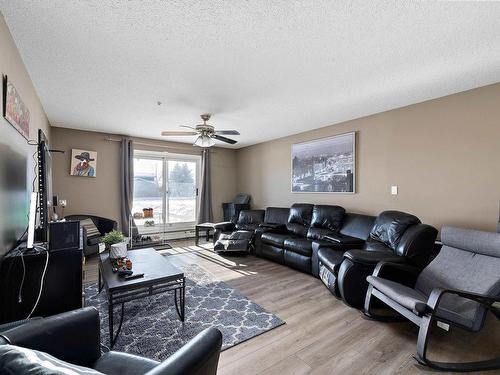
x: 186, y: 126
x: 228, y: 132
x: 224, y: 139
x: 174, y: 133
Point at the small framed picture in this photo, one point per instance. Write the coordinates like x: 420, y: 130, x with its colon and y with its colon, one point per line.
x: 83, y: 163
x: 14, y: 109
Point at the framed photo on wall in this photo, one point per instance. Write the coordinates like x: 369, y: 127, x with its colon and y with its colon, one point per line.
x: 14, y: 109
x: 326, y: 165
x: 83, y: 163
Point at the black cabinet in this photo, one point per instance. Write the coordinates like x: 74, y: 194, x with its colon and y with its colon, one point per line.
x: 61, y: 290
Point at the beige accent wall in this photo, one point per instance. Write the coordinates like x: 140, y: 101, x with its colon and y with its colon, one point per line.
x: 11, y: 64
x: 444, y: 155
x: 101, y: 195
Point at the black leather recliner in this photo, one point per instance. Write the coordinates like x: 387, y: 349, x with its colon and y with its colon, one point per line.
x: 243, y: 230
x: 291, y: 243
x: 74, y: 337
x: 395, y: 237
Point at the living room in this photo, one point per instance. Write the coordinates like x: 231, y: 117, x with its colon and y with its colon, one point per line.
x: 249, y: 187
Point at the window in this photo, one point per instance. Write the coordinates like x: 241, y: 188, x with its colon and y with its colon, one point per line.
x: 165, y: 190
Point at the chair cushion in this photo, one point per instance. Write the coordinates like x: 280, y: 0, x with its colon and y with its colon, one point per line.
x: 19, y: 360
x: 275, y: 239
x: 118, y: 363
x: 331, y: 259
x: 390, y: 226
x: 407, y: 297
x: 301, y: 246
x: 247, y: 227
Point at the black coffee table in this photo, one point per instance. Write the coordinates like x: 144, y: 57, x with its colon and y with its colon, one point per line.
x: 159, y: 276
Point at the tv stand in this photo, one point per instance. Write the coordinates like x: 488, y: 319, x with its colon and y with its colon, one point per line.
x: 62, y: 287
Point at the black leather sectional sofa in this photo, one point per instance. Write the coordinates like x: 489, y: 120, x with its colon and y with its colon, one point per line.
x: 340, y: 248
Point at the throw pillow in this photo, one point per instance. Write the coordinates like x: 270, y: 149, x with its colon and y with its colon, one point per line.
x: 90, y: 228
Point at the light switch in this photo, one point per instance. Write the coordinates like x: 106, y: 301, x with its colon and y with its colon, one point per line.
x: 394, y: 189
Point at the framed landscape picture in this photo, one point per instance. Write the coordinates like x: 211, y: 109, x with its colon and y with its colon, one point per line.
x: 14, y: 109
x: 326, y: 165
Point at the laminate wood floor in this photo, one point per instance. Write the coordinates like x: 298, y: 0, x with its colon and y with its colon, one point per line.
x: 322, y: 335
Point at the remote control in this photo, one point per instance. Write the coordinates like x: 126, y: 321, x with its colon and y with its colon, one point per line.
x: 136, y: 276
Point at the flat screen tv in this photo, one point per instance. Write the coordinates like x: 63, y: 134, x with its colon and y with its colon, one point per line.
x: 16, y: 173
x: 44, y: 185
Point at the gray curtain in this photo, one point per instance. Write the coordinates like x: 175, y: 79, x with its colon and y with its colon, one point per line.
x: 127, y: 185
x: 205, y: 214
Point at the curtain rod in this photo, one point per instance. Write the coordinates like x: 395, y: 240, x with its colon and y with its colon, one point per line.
x: 110, y: 139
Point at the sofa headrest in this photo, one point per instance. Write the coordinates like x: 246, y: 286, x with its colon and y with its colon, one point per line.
x: 475, y: 241
x: 300, y: 213
x: 327, y: 217
x: 277, y: 215
x: 390, y: 226
x: 251, y: 217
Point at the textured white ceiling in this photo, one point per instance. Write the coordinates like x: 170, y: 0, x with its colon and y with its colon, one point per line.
x: 265, y: 68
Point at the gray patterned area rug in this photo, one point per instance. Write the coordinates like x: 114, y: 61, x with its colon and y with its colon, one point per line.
x: 151, y: 326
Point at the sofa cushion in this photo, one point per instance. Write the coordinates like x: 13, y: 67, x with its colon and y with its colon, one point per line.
x: 327, y: 217
x: 275, y: 239
x: 301, y: 246
x: 390, y: 226
x: 19, y: 360
x: 300, y: 219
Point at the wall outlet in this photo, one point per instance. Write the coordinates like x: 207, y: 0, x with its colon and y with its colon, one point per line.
x: 394, y: 189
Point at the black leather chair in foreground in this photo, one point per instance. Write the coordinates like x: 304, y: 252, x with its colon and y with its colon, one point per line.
x: 458, y: 288
x: 74, y: 337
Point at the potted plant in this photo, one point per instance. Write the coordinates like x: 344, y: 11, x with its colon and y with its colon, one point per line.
x: 116, y: 244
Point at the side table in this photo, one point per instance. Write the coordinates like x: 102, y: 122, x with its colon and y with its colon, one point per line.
x: 203, y: 226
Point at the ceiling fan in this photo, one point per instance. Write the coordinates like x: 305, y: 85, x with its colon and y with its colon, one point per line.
x: 206, y: 133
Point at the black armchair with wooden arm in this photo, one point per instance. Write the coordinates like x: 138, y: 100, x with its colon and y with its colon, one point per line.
x: 457, y: 288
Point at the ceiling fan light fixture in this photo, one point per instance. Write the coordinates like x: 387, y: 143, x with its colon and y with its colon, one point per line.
x: 204, y: 141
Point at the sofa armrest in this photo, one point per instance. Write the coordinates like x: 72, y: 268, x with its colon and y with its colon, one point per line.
x: 71, y: 336
x: 344, y: 240
x: 371, y: 258
x: 200, y: 356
